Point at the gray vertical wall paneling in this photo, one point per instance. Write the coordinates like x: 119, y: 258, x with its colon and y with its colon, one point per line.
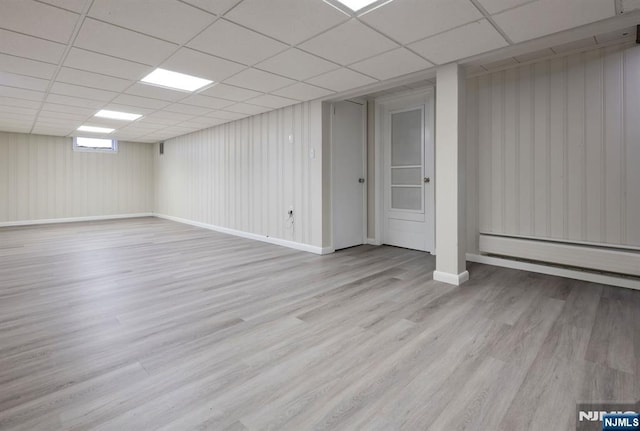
x: 558, y: 145
x: 43, y: 178
x: 244, y: 175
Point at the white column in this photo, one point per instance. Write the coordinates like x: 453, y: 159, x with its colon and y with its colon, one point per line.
x: 450, y: 178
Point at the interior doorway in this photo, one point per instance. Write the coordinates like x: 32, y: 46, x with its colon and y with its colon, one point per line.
x: 405, y: 139
x: 348, y: 127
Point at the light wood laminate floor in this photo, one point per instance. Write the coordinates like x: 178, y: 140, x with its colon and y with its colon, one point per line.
x: 147, y: 324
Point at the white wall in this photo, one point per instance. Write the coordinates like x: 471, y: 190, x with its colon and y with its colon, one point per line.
x: 554, y: 149
x: 245, y: 175
x: 42, y: 178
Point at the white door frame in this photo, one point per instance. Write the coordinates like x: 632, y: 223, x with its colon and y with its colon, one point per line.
x: 364, y: 168
x: 427, y: 94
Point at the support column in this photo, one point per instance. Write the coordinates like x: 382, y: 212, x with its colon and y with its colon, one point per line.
x: 450, y: 176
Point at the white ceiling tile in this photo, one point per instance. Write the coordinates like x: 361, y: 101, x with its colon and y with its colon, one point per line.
x: 53, y: 116
x: 90, y: 79
x: 245, y: 108
x: 226, y: 115
x: 303, y: 92
x: 409, y: 20
x: 54, y: 107
x: 206, y: 101
x: 202, y: 65
x: 93, y: 62
x: 393, y: 63
x: 544, y: 17
x: 118, y: 42
x: 162, y: 117
x: 296, y: 64
x: 51, y: 131
x: 10, y: 101
x: 230, y: 92
x: 83, y: 92
x: 230, y: 41
x: 165, y: 19
x: 18, y: 117
x: 74, y: 101
x: 72, y: 5
x: 271, y: 101
x: 589, y: 42
x: 348, y: 43
x: 341, y: 80
x: 258, y: 80
x: 24, y: 66
x: 22, y: 81
x: 462, y: 42
x: 217, y: 7
x: 291, y: 21
x: 30, y: 47
x: 495, y: 6
x: 144, y: 90
x: 21, y: 93
x: 18, y: 111
x: 185, y: 109
x: 143, y: 102
x: 38, y: 19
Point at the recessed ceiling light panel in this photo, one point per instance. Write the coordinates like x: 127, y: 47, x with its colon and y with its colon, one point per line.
x: 115, y: 115
x: 94, y: 129
x: 356, y: 5
x: 174, y: 80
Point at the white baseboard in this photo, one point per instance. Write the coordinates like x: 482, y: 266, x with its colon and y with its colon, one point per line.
x: 455, y: 279
x: 72, y: 219
x: 552, y: 270
x: 373, y: 241
x: 253, y: 236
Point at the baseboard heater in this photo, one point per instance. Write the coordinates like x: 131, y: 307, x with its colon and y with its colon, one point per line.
x: 589, y: 257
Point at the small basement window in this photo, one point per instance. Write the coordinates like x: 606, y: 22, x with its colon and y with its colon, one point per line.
x: 95, y: 144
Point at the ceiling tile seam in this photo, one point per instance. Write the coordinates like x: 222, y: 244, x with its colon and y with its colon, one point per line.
x: 489, y: 18
x: 63, y: 58
x: 31, y: 35
x: 57, y: 6
x: 141, y: 33
x: 27, y: 58
x: 231, y: 8
x: 510, y: 8
x: 448, y: 30
x: 179, y: 46
x: 401, y: 45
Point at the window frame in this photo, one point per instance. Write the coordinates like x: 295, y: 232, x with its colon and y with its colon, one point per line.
x: 80, y: 148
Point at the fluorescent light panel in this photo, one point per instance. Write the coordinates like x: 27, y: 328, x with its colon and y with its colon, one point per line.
x: 115, y: 115
x: 94, y: 129
x: 174, y: 80
x: 356, y: 5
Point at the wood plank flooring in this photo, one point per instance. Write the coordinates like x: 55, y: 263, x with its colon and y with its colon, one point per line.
x: 146, y: 324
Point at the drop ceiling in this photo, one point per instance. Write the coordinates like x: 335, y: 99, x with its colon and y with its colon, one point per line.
x: 61, y: 61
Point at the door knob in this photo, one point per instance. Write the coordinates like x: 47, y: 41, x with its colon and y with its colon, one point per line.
x: 427, y: 179
x: 361, y: 180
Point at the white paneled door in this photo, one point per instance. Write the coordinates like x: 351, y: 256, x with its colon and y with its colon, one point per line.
x: 348, y: 178
x: 406, y: 127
